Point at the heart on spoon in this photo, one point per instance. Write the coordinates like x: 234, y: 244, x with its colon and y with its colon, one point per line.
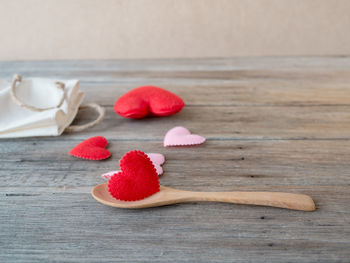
x: 180, y: 136
x: 157, y: 159
x: 137, y: 179
x: 92, y: 149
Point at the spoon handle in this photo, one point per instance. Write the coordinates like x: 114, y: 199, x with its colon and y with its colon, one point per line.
x: 276, y: 199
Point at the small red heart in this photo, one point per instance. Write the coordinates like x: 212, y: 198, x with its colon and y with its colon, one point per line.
x: 137, y: 179
x: 148, y: 101
x: 92, y: 149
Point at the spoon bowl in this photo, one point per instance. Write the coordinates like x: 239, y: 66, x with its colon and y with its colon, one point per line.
x: 168, y: 196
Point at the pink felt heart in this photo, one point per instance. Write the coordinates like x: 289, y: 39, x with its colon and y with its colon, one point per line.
x: 180, y: 136
x: 156, y: 158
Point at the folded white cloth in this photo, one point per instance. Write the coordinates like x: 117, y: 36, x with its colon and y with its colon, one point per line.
x: 35, y: 108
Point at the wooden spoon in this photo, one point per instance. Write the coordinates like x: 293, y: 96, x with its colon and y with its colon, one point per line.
x: 167, y: 196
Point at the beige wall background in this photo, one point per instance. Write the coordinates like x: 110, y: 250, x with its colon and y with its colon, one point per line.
x: 107, y: 29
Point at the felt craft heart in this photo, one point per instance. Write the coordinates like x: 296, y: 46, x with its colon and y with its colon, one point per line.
x: 148, y: 101
x: 156, y: 158
x: 180, y: 136
x: 137, y: 179
x: 92, y: 149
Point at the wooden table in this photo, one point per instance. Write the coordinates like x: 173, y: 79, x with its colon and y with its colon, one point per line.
x: 272, y: 124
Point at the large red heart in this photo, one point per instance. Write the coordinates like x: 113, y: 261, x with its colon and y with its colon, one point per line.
x: 137, y: 179
x: 92, y: 149
x: 148, y: 101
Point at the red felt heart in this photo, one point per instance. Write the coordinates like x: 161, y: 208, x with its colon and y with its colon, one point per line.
x: 137, y: 179
x: 92, y: 149
x: 148, y: 101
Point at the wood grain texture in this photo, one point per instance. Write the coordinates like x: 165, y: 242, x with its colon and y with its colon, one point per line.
x: 272, y: 124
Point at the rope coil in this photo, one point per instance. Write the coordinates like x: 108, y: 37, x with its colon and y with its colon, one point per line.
x: 18, y: 78
x: 100, y: 110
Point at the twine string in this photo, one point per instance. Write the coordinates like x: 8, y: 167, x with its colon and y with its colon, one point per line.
x: 17, y: 79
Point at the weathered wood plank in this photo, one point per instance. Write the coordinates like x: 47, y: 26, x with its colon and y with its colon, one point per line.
x: 277, y: 124
x: 226, y: 123
x: 248, y: 93
x: 231, y: 123
x: 219, y: 64
x: 266, y: 165
x: 48, y: 228
x: 216, y: 165
x: 248, y: 81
